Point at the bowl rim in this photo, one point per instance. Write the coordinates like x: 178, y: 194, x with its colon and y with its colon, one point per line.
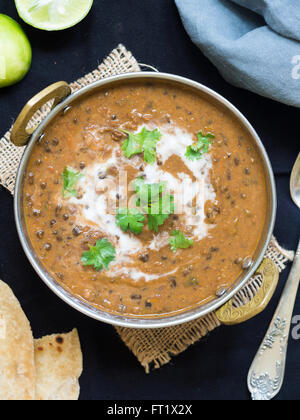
x: 142, y: 322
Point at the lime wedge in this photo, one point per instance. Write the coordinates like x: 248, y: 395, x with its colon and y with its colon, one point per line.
x: 53, y: 15
x: 15, y: 52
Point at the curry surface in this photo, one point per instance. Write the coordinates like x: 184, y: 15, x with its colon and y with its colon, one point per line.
x: 236, y: 217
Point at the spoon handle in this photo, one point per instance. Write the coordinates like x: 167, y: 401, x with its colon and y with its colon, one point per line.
x: 266, y: 374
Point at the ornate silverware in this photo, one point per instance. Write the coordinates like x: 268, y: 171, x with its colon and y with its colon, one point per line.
x: 266, y: 374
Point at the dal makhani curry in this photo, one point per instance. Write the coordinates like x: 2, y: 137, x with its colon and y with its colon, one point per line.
x: 145, y: 198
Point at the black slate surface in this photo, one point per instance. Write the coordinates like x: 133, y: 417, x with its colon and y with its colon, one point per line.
x: 217, y: 367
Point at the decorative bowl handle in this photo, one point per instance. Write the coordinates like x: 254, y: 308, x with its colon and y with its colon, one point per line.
x: 231, y: 315
x: 21, y: 134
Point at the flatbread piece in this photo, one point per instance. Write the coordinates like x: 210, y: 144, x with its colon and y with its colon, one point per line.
x: 58, y: 361
x: 17, y: 370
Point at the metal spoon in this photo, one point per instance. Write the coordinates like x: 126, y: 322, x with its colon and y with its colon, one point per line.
x: 266, y: 374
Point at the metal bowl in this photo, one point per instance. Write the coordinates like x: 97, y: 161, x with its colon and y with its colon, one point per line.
x: 145, y: 321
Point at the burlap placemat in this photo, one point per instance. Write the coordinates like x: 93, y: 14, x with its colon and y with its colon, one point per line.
x: 152, y: 347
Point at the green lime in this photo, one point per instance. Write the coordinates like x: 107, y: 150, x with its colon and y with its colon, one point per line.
x: 15, y: 52
x: 53, y: 15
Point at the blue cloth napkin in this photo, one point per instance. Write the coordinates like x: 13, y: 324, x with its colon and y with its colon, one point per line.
x: 255, y: 44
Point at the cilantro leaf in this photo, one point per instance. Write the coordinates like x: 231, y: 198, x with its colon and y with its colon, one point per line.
x: 160, y: 211
x: 156, y: 220
x: 198, y: 149
x: 149, y: 146
x: 100, y: 255
x: 147, y: 193
x: 179, y: 241
x: 131, y: 219
x: 154, y: 202
x: 143, y: 142
x: 70, y: 179
x: 143, y: 193
x: 132, y: 145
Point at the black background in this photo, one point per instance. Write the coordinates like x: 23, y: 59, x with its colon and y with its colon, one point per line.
x: 216, y: 367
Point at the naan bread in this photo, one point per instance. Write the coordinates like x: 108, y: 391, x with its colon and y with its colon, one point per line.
x: 44, y: 369
x: 17, y: 370
x: 58, y: 362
